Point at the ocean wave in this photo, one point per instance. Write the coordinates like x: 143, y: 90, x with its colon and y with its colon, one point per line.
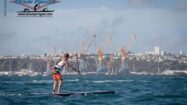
x: 144, y: 81
x: 38, y: 93
x: 13, y: 82
x: 112, y: 81
x: 71, y: 80
x: 23, y: 94
x: 11, y: 94
x: 51, y: 81
x: 42, y: 81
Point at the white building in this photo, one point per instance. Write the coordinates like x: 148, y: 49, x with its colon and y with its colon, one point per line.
x: 162, y: 53
x: 157, y: 50
x: 149, y: 52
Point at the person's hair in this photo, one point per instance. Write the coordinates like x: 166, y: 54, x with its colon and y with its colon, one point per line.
x: 66, y: 55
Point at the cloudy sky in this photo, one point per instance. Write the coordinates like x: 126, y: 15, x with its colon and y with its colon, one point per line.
x: 155, y: 22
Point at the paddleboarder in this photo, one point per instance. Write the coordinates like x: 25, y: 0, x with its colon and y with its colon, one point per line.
x: 57, y: 76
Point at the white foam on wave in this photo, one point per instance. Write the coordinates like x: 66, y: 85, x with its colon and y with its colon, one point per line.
x: 112, y: 81
x: 51, y: 81
x: 11, y: 94
x: 71, y: 80
x: 14, y: 82
x: 22, y: 94
x: 38, y: 93
x: 42, y: 81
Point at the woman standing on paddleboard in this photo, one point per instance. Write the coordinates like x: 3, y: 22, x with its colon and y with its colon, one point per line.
x: 56, y: 71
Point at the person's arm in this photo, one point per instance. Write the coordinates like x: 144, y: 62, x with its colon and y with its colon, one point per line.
x: 74, y: 69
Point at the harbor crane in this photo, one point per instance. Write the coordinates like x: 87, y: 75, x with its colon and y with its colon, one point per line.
x: 100, y: 52
x: 86, y: 44
x: 124, y: 50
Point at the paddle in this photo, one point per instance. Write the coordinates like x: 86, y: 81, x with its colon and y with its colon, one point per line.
x: 82, y: 81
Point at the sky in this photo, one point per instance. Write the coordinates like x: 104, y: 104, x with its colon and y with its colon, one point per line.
x: 155, y: 22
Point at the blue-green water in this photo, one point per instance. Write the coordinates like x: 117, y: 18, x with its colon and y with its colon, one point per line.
x: 130, y: 90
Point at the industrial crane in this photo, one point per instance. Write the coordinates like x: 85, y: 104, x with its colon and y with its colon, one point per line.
x: 84, y: 49
x: 124, y: 50
x: 86, y: 44
x: 110, y: 64
x: 100, y: 52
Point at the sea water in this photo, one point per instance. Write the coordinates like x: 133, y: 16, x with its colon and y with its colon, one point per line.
x: 129, y: 90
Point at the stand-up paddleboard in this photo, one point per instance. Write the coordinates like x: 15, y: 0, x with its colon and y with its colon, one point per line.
x: 86, y: 93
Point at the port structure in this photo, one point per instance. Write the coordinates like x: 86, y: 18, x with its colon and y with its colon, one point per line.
x: 100, y: 53
x: 124, y: 53
x: 83, y: 53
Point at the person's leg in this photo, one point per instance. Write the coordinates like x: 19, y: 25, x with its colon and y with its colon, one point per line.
x: 54, y: 86
x: 59, y: 85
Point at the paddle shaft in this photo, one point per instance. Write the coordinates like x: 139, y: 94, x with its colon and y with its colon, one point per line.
x: 82, y: 81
